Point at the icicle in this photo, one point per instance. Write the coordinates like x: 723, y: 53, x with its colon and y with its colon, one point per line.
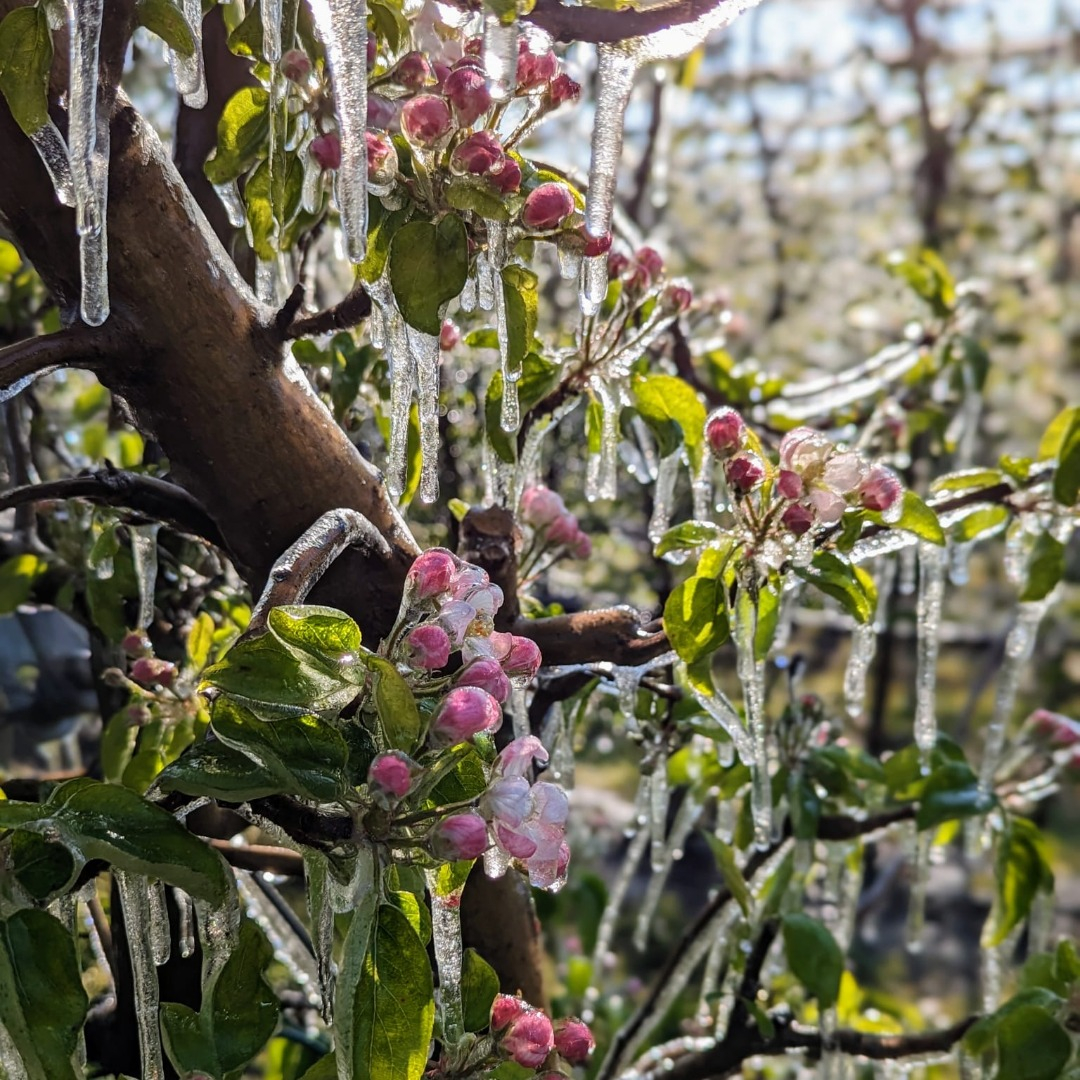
x: 602, y: 470
x: 702, y: 490
x: 863, y: 646
x: 615, y: 71
x: 664, y: 495
x: 500, y: 56
x: 321, y: 919
x: 909, y: 565
x: 627, y: 680
x: 927, y: 627
x: 519, y: 710
x: 751, y: 674
x: 49, y: 144
x: 426, y: 357
x: 134, y: 892
x: 468, y: 298
x: 1040, y: 922
x: 218, y: 929
x: 271, y: 28
x: 144, y: 557
x: 342, y: 25
x: 377, y: 327
x: 569, y: 263
x: 831, y: 1059
x: 685, y: 820
x: 10, y: 1059
x: 714, y: 965
x: 290, y: 949
x: 725, y: 820
x: 729, y: 992
x: 485, y: 282
x: 593, y: 283
x: 234, y: 206
x: 496, y: 862
x: 560, y: 744
x: 959, y: 556
x: 847, y: 899
x: 402, y: 376
x: 160, y: 943
x: 311, y: 187
x: 188, y: 71
x: 659, y: 795
x: 446, y: 939
x: 186, y: 929
x: 920, y: 869
x: 723, y: 712
x: 266, y: 290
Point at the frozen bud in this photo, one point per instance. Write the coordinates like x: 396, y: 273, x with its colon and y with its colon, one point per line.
x: 550, y: 803
x: 829, y: 506
x: 678, y: 296
x: 529, y: 1039
x: 724, y: 432
x: 540, y: 506
x: 456, y: 617
x: 136, y: 643
x: 523, y: 660
x: 508, y: 800
x: 1056, y: 729
x: 295, y: 66
x: 651, y: 261
x: 449, y: 335
x: 467, y: 580
x: 474, y: 47
x: 326, y: 150
x: 425, y: 119
x: 562, y: 89
x: 844, y: 472
x: 382, y: 160
x: 478, y: 154
x: 574, y: 1040
x: 547, y: 206
x: 617, y: 264
x: 412, y: 71
x: 428, y: 647
x: 505, y: 175
x: 488, y: 674
x: 596, y: 245
x: 505, y: 1009
x: 461, y: 836
x: 581, y: 548
x: 431, y: 573
x: 880, y: 489
x: 440, y: 69
x: 805, y: 451
x: 151, y: 671
x: 789, y: 484
x: 563, y: 530
x: 744, y: 472
x: 390, y: 776
x: 381, y: 113
x: 637, y: 280
x: 535, y: 69
x: 797, y: 519
x: 466, y: 90
x: 465, y: 712
x: 517, y: 757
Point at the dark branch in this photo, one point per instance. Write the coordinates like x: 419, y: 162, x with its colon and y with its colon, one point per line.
x: 157, y: 499
x: 273, y: 860
x: 613, y: 634
x: 600, y: 25
x: 353, y: 308
x: 80, y: 346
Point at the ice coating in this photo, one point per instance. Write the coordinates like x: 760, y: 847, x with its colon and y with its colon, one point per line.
x: 270, y: 11
x: 446, y: 939
x: 188, y: 71
x: 500, y: 56
x: 928, y: 623
x: 144, y: 556
x: 425, y: 358
x: 659, y: 796
x: 751, y: 673
x: 863, y: 647
x: 342, y: 25
x: 664, y: 495
x: 53, y: 151
x: 593, y: 283
x: 920, y: 877
x: 160, y: 941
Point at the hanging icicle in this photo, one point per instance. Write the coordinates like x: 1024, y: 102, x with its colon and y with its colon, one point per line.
x: 186, y: 929
x: 500, y: 56
x: 664, y: 495
x: 342, y: 25
x: 659, y: 796
x: 593, y: 283
x: 863, y: 647
x: 751, y: 672
x: 426, y: 357
x: 160, y: 939
x: 446, y: 939
x: 270, y: 12
x: 144, y: 557
x: 188, y: 72
x: 927, y: 628
x: 920, y: 879
x: 53, y: 151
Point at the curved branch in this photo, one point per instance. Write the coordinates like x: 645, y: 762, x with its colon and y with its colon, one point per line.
x: 79, y: 346
x: 605, y: 26
x: 354, y: 307
x: 158, y: 499
x: 613, y: 634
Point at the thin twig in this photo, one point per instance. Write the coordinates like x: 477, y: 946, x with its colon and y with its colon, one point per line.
x: 346, y: 313
x: 79, y: 346
x: 261, y: 858
x: 606, y: 25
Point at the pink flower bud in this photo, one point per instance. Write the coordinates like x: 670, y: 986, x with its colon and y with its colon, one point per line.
x: 425, y: 119
x: 562, y: 89
x: 431, y: 573
x: 508, y: 800
x: 797, y: 519
x: 677, y: 296
x: 456, y: 618
x: 574, y: 1040
x: 581, y: 548
x: 488, y: 675
x: 547, y: 206
x: 428, y: 647
x: 617, y: 264
x: 465, y: 712
x: 449, y: 335
x: 466, y: 90
x: 150, y: 671
x: 1058, y: 730
x: 724, y: 432
x: 382, y: 160
x: 440, y: 69
x: 326, y: 150
x: 540, y: 506
x: 844, y: 472
x: 789, y: 484
x: 523, y: 661
x: 651, y: 260
x: 295, y: 66
x: 460, y: 836
x: 517, y: 757
x: 805, y: 451
x: 596, y: 245
x: 478, y: 154
x: 829, y: 506
x: 505, y: 175
x: 535, y: 69
x: 390, y: 776
x: 412, y: 71
x: 744, y: 472
x: 529, y: 1039
x: 136, y: 643
x: 381, y: 113
x: 504, y: 1010
x: 563, y: 530
x: 881, y: 489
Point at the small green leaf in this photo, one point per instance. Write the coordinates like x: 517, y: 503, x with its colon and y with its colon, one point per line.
x: 1023, y: 871
x: 538, y: 378
x: 814, y: 957
x: 242, y: 132
x: 165, y: 19
x: 732, y: 875
x: 200, y: 641
x: 25, y: 59
x: 42, y: 1000
x: 396, y: 706
x: 451, y: 877
x: 326, y: 637
x: 1046, y: 567
x: 952, y: 792
x: 479, y: 985
x: 218, y: 771
x: 695, y: 617
x: 42, y: 869
x: 428, y: 266
x: 768, y: 616
x: 519, y: 287
x: 1054, y: 436
x: 17, y: 577
x: 1066, y: 485
x: 686, y: 537
x: 979, y: 523
x: 846, y: 583
x: 928, y: 276
x: 467, y: 193
x: 663, y: 398
x: 1031, y: 1045
x: 915, y: 517
x: 967, y: 480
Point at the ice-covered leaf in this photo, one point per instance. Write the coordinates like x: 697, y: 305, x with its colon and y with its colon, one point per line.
x: 979, y: 522
x: 218, y: 771
x: 1046, y: 567
x: 1067, y: 473
x: 915, y: 517
x: 849, y: 585
x: 687, y: 536
x: 243, y: 131
x: 428, y: 266
x: 466, y: 780
x: 1032, y: 1045
x: 1022, y: 872
x: 519, y: 287
x: 695, y: 617
x: 952, y: 792
x: 928, y: 276
x: 200, y: 641
x: 42, y: 869
x: 479, y: 985
x: 396, y: 706
x: 328, y: 638
x: 768, y: 616
x: 538, y: 378
x: 42, y: 1000
x: 814, y: 957
x: 164, y: 18
x: 25, y: 59
x: 467, y: 193
x: 733, y: 876
x: 663, y: 399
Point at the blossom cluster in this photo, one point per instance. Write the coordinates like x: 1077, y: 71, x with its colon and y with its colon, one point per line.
x: 1059, y: 736
x: 815, y: 480
x: 643, y: 271
x: 553, y: 526
x: 527, y: 1036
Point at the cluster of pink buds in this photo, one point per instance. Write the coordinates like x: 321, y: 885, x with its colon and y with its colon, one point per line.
x: 1053, y: 729
x: 554, y: 526
x: 527, y: 1036
x: 644, y: 271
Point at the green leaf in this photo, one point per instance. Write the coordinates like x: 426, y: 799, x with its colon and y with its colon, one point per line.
x: 384, y: 226
x: 847, y: 584
x: 165, y: 19
x: 951, y: 792
x: 928, y: 276
x: 805, y: 806
x: 17, y: 577
x: 306, y: 755
x: 1046, y: 567
x: 1031, y: 1045
x: 733, y: 876
x: 102, y: 821
x: 686, y: 537
x: 242, y: 134
x: 768, y: 615
x: 218, y: 771
x: 1066, y: 485
x: 42, y: 1000
x: 814, y: 957
x: 428, y: 266
x: 326, y: 637
x: 42, y: 869
x: 979, y: 522
x: 396, y: 706
x: 390, y: 1005
x: 466, y: 780
x: 695, y: 617
x: 663, y: 398
x: 25, y: 59
x: 1022, y: 871
x: 469, y: 194
x: 479, y: 985
x: 967, y: 480
x: 519, y: 287
x: 200, y: 641
x: 915, y: 517
x: 538, y: 378
x: 238, y: 1015
x: 247, y: 38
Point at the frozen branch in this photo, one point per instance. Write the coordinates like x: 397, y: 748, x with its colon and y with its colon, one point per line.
x: 600, y: 25
x: 261, y: 857
x: 613, y: 634
x: 79, y: 346
x: 346, y: 313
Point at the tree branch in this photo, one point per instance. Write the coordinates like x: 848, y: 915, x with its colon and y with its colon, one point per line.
x: 353, y: 308
x: 158, y: 499
x: 79, y: 346
x: 613, y: 634
x: 604, y: 25
x: 261, y: 857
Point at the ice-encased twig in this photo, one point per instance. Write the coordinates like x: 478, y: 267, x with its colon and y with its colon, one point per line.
x: 134, y: 892
x: 425, y: 359
x: 446, y: 940
x: 500, y: 56
x: 927, y: 627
